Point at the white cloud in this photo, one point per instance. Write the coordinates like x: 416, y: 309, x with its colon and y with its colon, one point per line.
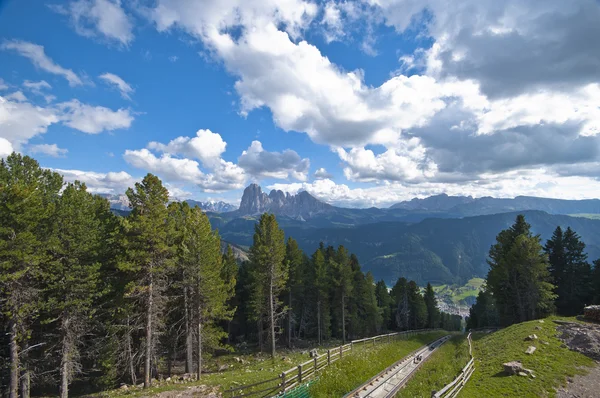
x: 5, y: 148
x: 100, y: 18
x: 225, y: 176
x: 48, y: 149
x: 3, y: 85
x: 206, y: 146
x: 119, y: 83
x: 322, y: 174
x: 16, y: 96
x: 37, y: 55
x: 94, y: 119
x: 20, y: 121
x: 173, y: 58
x: 108, y: 183
x: 260, y: 163
x: 38, y: 87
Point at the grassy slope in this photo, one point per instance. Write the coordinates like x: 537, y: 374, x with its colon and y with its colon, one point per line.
x: 551, y: 363
x: 343, y: 376
x: 441, y: 368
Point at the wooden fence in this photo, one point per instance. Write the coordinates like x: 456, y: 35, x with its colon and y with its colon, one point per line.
x: 451, y: 390
x: 308, y: 370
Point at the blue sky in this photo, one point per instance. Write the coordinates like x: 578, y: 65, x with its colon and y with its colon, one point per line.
x: 361, y: 103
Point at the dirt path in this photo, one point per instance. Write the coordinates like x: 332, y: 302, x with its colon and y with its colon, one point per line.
x: 587, y: 386
x: 195, y: 391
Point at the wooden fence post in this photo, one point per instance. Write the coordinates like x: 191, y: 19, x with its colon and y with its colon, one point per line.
x: 283, y: 382
x: 299, y: 374
x: 328, y: 357
x: 374, y: 341
x: 341, y: 351
x: 316, y: 357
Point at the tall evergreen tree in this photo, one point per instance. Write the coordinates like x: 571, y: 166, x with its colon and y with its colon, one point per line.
x: 433, y: 313
x: 573, y: 282
x: 321, y: 288
x: 229, y: 275
x: 294, y: 258
x: 519, y: 278
x: 147, y: 257
x: 73, y: 272
x: 267, y: 253
x: 342, y: 284
x: 483, y: 313
x: 384, y: 302
x: 27, y: 197
x: 418, y: 308
x: 399, y: 295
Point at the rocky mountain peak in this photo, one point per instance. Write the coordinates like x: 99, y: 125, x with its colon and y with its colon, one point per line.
x: 302, y: 205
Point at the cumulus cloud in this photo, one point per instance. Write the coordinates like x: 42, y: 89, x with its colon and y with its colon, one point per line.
x: 260, y: 163
x: 225, y: 176
x: 36, y: 54
x: 3, y: 85
x: 124, y: 88
x: 48, y: 149
x: 20, y: 121
x: 6, y: 148
x: 322, y: 174
x: 99, y: 18
x: 94, y: 119
x: 107, y: 183
x: 206, y: 146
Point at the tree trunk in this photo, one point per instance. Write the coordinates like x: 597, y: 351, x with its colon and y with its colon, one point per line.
x: 319, y: 322
x: 199, y: 345
x: 130, y: 355
x: 290, y: 320
x: 148, y: 334
x: 25, y: 383
x: 13, y: 390
x: 64, y: 362
x: 272, y: 317
x: 343, y: 320
x: 259, y: 324
x: 189, y: 340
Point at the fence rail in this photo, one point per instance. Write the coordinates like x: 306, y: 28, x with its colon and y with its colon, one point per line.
x: 451, y: 390
x: 308, y: 370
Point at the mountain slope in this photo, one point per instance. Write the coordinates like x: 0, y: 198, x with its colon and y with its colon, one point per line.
x: 433, y: 250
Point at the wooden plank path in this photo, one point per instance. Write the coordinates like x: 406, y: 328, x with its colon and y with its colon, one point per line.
x: 387, y: 383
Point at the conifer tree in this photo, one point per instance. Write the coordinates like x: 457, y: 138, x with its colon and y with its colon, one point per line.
x: 267, y: 254
x: 570, y: 271
x: 229, y: 275
x: 519, y: 278
x: 27, y: 197
x: 147, y: 257
x: 384, y: 302
x: 294, y: 258
x: 433, y: 313
x: 73, y: 272
x: 321, y: 288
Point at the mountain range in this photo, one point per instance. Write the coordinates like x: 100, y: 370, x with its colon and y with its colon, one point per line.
x: 439, y: 239
x: 121, y: 203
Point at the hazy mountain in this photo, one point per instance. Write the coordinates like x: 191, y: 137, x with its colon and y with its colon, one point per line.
x: 432, y: 250
x: 458, y: 206
x: 117, y: 202
x: 213, y: 206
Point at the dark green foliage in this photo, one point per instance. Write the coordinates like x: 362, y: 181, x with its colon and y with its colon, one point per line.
x: 433, y: 313
x: 384, y: 302
x: 570, y: 271
x: 483, y: 313
x: 519, y: 278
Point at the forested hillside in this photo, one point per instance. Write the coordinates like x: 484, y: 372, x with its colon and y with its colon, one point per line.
x: 450, y: 250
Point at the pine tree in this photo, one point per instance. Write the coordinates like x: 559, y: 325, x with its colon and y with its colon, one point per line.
x: 341, y: 284
x: 294, y: 258
x: 433, y: 313
x: 483, y: 313
x: 147, y: 257
x: 267, y: 253
x: 384, y: 302
x: 73, y: 272
x: 399, y: 295
x: 519, y: 278
x: 229, y: 275
x: 27, y: 197
x: 573, y: 287
x: 418, y: 308
x: 203, y: 266
x: 321, y: 287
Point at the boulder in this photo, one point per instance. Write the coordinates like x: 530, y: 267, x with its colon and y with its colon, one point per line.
x: 592, y: 312
x: 516, y: 368
x: 314, y: 353
x: 530, y: 350
x: 538, y: 328
x: 124, y: 387
x: 223, y: 368
x: 531, y: 337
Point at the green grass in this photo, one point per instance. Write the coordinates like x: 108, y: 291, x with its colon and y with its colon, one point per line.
x: 345, y: 375
x: 551, y: 363
x: 440, y: 369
